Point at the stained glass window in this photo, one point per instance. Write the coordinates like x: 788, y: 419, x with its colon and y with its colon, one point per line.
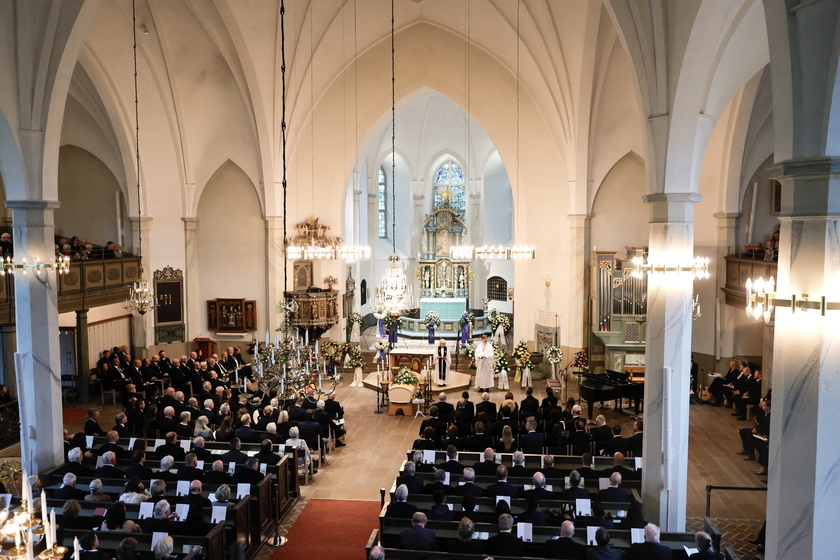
x: 383, y: 206
x: 451, y: 187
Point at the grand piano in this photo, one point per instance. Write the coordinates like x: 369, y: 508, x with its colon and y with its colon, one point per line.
x: 612, y: 385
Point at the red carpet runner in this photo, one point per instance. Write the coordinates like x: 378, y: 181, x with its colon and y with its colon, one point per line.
x: 331, y: 529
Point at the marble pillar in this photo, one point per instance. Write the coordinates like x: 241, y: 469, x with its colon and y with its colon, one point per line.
x: 725, y: 334
x: 667, y: 359
x: 194, y: 308
x: 578, y: 277
x: 82, y: 355
x: 804, y: 489
x: 38, y: 352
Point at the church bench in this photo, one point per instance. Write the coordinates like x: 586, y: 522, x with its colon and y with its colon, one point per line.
x: 728, y: 553
x: 263, y: 514
x: 237, y: 518
x: 447, y: 531
x: 532, y: 461
x: 212, y: 544
x: 483, y: 481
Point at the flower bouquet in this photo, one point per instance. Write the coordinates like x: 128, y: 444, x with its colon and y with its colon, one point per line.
x: 406, y: 377
x: 554, y: 354
x: 469, y: 350
x: 580, y: 360
x: 380, y: 346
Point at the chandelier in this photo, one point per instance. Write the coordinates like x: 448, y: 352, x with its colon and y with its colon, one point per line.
x: 493, y: 252
x: 313, y: 243
x: 393, y: 296
x: 141, y: 297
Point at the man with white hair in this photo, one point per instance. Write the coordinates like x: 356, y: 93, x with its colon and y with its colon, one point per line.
x: 165, y: 473
x: 377, y: 553
x: 487, y: 406
x: 198, y: 448
x: 409, y: 479
x: 601, y: 431
x: 650, y: 549
x: 74, y: 464
x: 539, y: 488
x: 445, y: 410
x: 217, y: 474
x: 167, y: 423
x: 565, y: 546
x: 68, y: 490
x: 505, y: 543
x: 109, y: 467
x: 519, y: 468
x: 468, y: 487
x: 399, y: 507
x: 417, y: 537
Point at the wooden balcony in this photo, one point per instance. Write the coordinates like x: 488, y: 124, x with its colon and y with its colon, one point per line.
x: 738, y: 269
x: 87, y: 284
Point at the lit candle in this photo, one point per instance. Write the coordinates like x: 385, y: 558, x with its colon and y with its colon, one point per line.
x: 17, y: 536
x: 27, y: 493
x: 316, y: 349
x: 43, y: 509
x: 266, y: 337
x: 306, y: 340
x: 29, y: 552
x: 47, y: 532
x: 77, y: 553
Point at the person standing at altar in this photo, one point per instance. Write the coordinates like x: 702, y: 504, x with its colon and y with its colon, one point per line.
x: 444, y: 361
x: 484, y: 358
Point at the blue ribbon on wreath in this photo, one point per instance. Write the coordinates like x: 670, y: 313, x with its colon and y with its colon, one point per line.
x: 381, y: 328
x: 431, y: 333
x: 382, y: 356
x: 392, y: 333
x: 465, y: 332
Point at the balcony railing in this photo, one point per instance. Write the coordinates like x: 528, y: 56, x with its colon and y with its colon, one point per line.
x: 87, y: 284
x: 738, y: 269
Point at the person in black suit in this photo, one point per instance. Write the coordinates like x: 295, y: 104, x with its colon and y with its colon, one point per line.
x: 618, y: 466
x: 190, y: 471
x: 468, y: 488
x: 502, y: 487
x: 417, y: 537
x: 161, y: 520
x: 586, y: 471
x: 399, y: 507
x: 452, y: 465
x: 438, y: 484
x: 74, y: 464
x: 88, y: 548
x: 234, y: 455
x: 539, y: 490
x: 120, y: 425
x: 487, y: 467
x: 250, y: 474
x: 548, y: 469
x: 532, y: 441
x: 478, y: 442
x: 532, y: 514
x: 564, y: 546
x: 634, y: 442
x: 201, y: 453
x: 613, y: 493
x: 427, y: 442
x: 247, y: 434
x: 650, y: 549
x: 615, y: 444
x: 580, y: 439
x: 721, y: 384
x: 414, y: 484
x: 267, y: 456
x: 109, y: 467
x: 433, y: 422
x: 446, y: 411
x: 138, y: 467
x: 519, y: 469
x: 507, y: 419
x: 198, y: 505
x: 467, y: 406
x: 112, y: 439
x: 486, y: 406
x: 170, y: 447
x: 465, y: 543
x: 68, y: 490
x: 505, y: 544
x: 439, y: 510
x: 529, y: 406
x: 165, y: 473
x: 92, y: 427
x: 603, y: 550
x: 705, y: 548
x: 217, y: 474
x: 601, y: 431
x: 574, y: 491
x: 184, y: 429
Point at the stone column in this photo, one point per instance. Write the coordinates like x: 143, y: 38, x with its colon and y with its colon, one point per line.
x: 276, y: 259
x: 37, y: 356
x: 803, y: 490
x: 668, y: 354
x: 7, y: 357
x: 82, y: 355
x: 194, y: 307
x: 579, y: 243
x: 725, y: 336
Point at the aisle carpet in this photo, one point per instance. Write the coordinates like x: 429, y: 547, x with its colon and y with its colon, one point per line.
x: 73, y: 414
x: 334, y: 529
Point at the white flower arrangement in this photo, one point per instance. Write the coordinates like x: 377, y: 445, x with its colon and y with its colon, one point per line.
x: 554, y: 354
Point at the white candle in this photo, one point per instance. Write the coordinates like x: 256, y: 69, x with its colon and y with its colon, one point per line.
x: 316, y: 348
x: 77, y: 553
x: 306, y: 340
x: 29, y: 552
x: 43, y: 506
x: 52, y: 527
x: 27, y: 492
x: 266, y: 337
x: 284, y: 370
x: 17, y: 536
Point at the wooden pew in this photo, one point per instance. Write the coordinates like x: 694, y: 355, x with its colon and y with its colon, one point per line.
x: 212, y: 544
x: 532, y: 461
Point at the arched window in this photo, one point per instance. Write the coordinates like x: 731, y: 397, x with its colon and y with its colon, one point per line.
x: 363, y: 290
x: 451, y: 187
x: 382, y: 195
x: 497, y: 288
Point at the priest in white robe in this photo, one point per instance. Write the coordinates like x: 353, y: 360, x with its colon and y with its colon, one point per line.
x: 444, y: 362
x: 484, y: 358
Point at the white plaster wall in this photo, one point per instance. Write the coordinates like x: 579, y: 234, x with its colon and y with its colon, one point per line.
x: 86, y: 191
x: 619, y: 215
x: 231, y: 242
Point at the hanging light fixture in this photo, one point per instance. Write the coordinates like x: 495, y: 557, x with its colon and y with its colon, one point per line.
x: 141, y: 297
x: 393, y: 296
